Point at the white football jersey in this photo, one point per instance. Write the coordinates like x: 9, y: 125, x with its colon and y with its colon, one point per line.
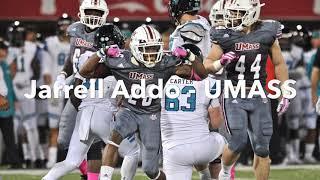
x: 293, y: 57
x: 307, y: 56
x: 24, y: 61
x: 204, y: 44
x: 57, y: 52
x: 13, y: 54
x: 184, y: 119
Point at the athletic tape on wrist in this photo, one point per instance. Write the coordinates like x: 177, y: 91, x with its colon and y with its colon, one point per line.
x: 217, y: 65
x: 64, y: 73
x: 113, y: 144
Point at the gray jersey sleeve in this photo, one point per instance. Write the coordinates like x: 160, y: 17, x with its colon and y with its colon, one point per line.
x: 272, y: 27
x: 220, y: 37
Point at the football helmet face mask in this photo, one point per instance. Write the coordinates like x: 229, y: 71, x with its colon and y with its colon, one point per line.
x: 216, y: 15
x: 107, y: 35
x: 178, y: 7
x: 93, y: 13
x: 241, y: 13
x: 146, y: 45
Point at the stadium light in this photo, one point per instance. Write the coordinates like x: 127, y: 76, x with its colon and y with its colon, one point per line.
x: 116, y: 19
x: 148, y: 19
x: 17, y: 23
x: 65, y: 15
x: 299, y: 27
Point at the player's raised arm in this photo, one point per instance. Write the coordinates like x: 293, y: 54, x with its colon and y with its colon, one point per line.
x: 89, y: 66
x: 216, y: 60
x: 192, y: 54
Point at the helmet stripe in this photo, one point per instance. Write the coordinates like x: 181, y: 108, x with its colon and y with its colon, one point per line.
x: 154, y: 33
x: 150, y: 32
x: 148, y: 36
x: 95, y: 2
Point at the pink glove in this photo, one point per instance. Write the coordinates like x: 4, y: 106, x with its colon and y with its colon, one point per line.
x: 283, y: 106
x: 228, y: 58
x: 113, y: 51
x: 180, y: 52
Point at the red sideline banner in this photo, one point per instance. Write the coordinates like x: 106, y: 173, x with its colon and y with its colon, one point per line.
x: 140, y: 9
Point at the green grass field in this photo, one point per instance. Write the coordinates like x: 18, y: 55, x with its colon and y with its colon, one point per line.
x: 304, y: 173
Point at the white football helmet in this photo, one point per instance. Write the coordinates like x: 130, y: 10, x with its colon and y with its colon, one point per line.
x: 216, y: 15
x: 241, y: 13
x: 90, y: 20
x: 146, y: 45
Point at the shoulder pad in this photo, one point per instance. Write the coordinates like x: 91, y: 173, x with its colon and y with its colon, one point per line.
x: 273, y: 26
x: 192, y: 32
x: 74, y: 28
x: 216, y: 35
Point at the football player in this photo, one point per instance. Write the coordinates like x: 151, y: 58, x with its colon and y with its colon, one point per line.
x: 216, y: 18
x: 216, y: 15
x: 57, y: 50
x: 301, y: 112
x: 92, y: 15
x: 308, y: 43
x: 194, y: 29
x: 28, y: 69
x: 185, y: 135
x: 145, y: 61
x: 15, y: 34
x: 95, y: 114
x: 252, y: 40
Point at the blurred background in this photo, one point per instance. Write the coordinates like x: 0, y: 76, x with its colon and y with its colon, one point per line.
x: 44, y: 13
x: 301, y: 27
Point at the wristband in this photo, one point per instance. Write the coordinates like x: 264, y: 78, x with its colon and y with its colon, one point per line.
x: 101, y: 53
x: 64, y: 73
x: 217, y: 65
x: 191, y: 57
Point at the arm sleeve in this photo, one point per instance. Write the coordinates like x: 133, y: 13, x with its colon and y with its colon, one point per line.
x: 278, y: 29
x: 3, y: 86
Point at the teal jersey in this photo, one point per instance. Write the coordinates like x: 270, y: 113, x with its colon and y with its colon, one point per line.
x: 10, y: 96
x: 309, y: 70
